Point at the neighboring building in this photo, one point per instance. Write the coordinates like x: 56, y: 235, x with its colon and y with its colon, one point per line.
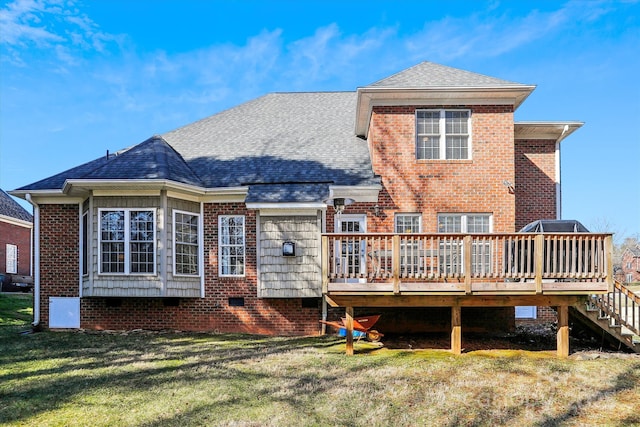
x: 16, y: 225
x: 631, y: 265
x: 217, y: 225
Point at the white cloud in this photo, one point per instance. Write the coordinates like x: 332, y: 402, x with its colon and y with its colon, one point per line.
x: 37, y: 26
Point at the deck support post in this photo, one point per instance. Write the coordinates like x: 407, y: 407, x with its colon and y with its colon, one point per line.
x: 456, y: 330
x: 349, y: 327
x: 563, y: 331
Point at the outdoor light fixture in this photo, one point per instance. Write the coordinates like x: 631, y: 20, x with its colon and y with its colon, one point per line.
x: 339, y: 203
x: 509, y: 186
x: 288, y: 249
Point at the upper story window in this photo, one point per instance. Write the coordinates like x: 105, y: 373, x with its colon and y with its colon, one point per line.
x: 186, y: 257
x: 443, y: 134
x: 231, y: 244
x: 127, y: 241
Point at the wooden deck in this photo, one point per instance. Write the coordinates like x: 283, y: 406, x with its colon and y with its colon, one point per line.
x: 465, y: 270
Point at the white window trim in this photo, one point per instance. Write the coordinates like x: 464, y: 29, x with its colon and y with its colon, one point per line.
x: 175, y: 245
x: 127, y: 237
x: 463, y: 220
x: 84, y: 256
x: 413, y: 215
x: 244, y: 244
x: 443, y: 135
x: 11, y: 258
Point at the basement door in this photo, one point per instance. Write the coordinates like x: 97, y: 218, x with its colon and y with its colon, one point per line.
x: 351, y: 251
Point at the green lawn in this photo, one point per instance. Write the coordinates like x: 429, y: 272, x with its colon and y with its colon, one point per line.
x: 159, y: 379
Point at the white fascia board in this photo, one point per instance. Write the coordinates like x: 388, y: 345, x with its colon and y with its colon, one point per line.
x: 500, y: 95
x: 288, y: 209
x: 549, y: 130
x: 358, y: 194
x: 15, y: 221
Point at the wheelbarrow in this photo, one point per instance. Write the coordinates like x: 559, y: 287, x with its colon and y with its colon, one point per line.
x: 361, y: 324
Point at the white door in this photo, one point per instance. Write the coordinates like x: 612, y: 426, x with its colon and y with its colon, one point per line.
x: 351, y: 252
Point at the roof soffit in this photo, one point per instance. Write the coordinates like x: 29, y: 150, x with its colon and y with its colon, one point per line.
x: 369, y: 97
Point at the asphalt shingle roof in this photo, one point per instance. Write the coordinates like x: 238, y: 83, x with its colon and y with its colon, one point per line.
x: 286, y: 147
x: 278, y: 138
x: 428, y: 74
x: 11, y: 208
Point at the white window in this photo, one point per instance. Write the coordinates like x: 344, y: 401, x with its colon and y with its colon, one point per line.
x: 12, y: 258
x: 452, y: 259
x: 443, y: 134
x: 409, y: 247
x: 629, y: 278
x: 127, y: 241
x: 408, y: 223
x: 187, y: 243
x: 231, y: 245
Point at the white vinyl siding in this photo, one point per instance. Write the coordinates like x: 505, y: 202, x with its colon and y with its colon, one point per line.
x: 231, y: 245
x: 443, y: 134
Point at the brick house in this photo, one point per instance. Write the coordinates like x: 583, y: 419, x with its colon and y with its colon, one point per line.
x: 631, y: 265
x: 15, y: 237
x: 219, y: 225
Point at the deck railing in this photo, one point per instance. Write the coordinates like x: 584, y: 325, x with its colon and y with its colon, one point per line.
x: 374, y: 258
x: 622, y: 305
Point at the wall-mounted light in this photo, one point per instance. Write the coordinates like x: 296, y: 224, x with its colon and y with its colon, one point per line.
x: 376, y: 210
x: 510, y: 186
x: 339, y: 203
x: 288, y: 249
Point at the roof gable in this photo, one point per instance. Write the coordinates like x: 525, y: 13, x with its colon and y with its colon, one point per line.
x: 428, y: 75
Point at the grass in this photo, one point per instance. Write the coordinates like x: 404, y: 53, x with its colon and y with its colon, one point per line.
x: 165, y: 379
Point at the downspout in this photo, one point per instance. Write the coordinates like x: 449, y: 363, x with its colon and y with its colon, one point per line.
x: 323, y: 229
x: 36, y: 260
x: 558, y: 172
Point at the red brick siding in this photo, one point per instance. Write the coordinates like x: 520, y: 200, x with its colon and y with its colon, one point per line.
x: 443, y: 186
x: 21, y: 237
x: 634, y: 270
x: 212, y: 313
x: 535, y: 181
x: 59, y: 255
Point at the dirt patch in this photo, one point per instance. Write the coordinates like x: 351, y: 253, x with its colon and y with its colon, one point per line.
x: 538, y: 337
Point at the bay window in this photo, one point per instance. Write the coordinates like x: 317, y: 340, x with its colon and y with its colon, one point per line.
x: 127, y: 241
x: 186, y: 241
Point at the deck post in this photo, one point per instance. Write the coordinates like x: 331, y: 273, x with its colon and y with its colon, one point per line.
x: 325, y: 265
x: 396, y: 264
x: 467, y: 242
x: 539, y: 261
x: 349, y: 327
x: 563, y: 331
x: 456, y: 330
x: 608, y: 253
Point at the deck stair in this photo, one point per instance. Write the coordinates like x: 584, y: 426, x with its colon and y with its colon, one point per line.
x: 616, y: 313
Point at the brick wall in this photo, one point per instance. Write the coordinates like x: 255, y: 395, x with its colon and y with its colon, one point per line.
x: 443, y: 186
x: 59, y: 255
x: 535, y: 181
x: 21, y: 237
x: 630, y: 265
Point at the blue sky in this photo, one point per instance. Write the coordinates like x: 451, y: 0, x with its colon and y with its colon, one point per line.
x: 80, y: 78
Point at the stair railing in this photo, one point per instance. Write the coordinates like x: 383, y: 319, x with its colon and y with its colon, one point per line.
x: 621, y: 305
